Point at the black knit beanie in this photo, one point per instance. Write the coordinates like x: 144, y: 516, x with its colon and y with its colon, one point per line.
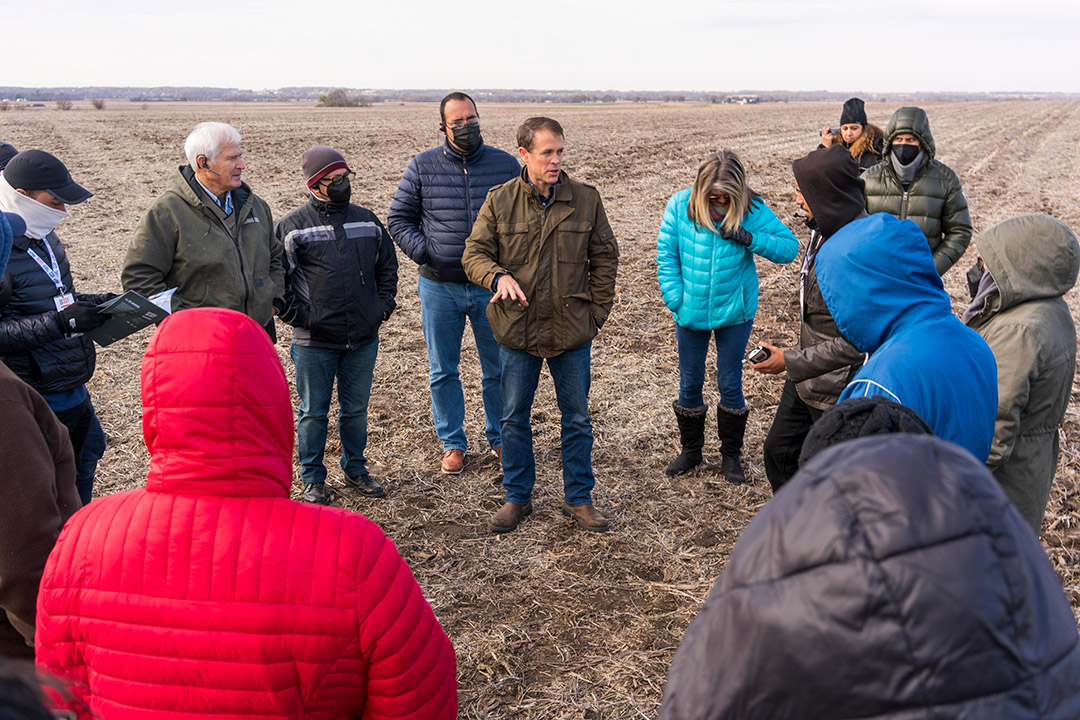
x: 861, y: 417
x: 853, y: 112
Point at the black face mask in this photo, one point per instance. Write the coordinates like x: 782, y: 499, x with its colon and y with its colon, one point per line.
x: 339, y: 191
x: 467, y: 138
x: 905, y: 153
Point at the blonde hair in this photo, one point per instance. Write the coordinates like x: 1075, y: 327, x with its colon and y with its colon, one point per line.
x: 721, y: 172
x: 869, y: 141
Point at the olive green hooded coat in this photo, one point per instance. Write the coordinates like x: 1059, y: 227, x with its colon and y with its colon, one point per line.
x: 934, y: 200
x: 1033, y: 259
x: 180, y: 243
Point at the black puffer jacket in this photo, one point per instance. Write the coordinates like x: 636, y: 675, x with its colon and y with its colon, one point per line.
x: 340, y: 274
x: 32, y: 342
x: 890, y: 579
x: 436, y: 203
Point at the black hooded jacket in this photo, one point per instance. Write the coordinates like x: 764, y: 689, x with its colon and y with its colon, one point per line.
x: 891, y: 579
x: 824, y: 361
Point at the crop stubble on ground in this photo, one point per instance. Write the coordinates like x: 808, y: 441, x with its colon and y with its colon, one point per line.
x: 550, y: 622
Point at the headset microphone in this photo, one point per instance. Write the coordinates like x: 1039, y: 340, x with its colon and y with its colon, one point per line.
x: 206, y: 167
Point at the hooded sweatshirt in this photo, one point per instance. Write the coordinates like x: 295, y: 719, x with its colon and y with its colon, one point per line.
x: 934, y: 198
x: 891, y: 580
x: 878, y: 280
x: 1033, y: 260
x: 209, y: 593
x: 824, y: 361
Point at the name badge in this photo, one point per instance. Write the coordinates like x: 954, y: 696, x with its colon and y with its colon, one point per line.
x: 62, y: 301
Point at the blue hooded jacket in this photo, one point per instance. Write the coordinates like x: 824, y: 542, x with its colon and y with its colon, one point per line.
x: 878, y: 280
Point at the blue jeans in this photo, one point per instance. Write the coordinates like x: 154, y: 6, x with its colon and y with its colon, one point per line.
x: 730, y: 348
x: 93, y: 450
x: 443, y: 309
x: 520, y: 375
x: 315, y: 372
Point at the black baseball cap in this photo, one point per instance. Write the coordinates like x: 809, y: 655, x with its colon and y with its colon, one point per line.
x: 39, y: 170
x: 7, y: 151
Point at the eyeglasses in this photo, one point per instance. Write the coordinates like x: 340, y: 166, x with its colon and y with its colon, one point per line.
x: 458, y: 124
x: 337, y: 180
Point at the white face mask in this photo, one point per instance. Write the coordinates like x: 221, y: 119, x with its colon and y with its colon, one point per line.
x: 40, y: 219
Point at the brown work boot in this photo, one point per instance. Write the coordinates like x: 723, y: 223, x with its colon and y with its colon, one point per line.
x: 587, y: 517
x: 453, y: 461
x: 508, y: 516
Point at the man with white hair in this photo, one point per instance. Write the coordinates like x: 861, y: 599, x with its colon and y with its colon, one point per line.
x: 208, y: 235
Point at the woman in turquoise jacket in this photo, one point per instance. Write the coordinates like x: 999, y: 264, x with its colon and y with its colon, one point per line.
x: 705, y: 265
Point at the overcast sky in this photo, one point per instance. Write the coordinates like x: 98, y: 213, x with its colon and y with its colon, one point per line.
x: 863, y: 45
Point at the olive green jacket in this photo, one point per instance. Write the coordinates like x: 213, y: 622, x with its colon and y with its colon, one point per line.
x: 563, y: 256
x: 1033, y: 259
x: 180, y: 243
x: 934, y: 200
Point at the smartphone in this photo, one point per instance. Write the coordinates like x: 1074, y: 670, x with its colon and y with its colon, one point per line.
x: 758, y: 354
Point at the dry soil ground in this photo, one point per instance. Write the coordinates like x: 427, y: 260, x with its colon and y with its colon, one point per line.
x: 549, y: 621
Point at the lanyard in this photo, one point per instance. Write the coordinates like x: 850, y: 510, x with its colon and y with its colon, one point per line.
x: 811, y: 253
x: 54, y: 271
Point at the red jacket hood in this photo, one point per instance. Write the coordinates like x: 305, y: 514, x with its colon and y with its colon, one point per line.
x: 217, y: 414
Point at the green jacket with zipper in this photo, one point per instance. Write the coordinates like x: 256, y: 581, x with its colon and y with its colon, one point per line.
x: 181, y: 243
x: 564, y: 257
x: 934, y: 200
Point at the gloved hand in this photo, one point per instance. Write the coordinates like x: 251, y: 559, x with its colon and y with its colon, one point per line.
x: 81, y: 316
x: 740, y: 235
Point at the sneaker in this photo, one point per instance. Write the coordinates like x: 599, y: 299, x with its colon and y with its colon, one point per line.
x: 315, y: 492
x: 453, y: 461
x: 366, y: 485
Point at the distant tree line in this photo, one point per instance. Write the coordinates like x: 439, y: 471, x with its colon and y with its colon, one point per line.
x: 328, y: 96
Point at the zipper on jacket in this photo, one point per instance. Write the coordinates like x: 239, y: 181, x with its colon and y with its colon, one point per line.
x: 903, y: 205
x: 240, y: 255
x: 468, y: 194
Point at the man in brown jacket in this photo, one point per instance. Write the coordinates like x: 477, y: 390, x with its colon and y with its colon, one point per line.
x: 37, y: 496
x: 543, y: 245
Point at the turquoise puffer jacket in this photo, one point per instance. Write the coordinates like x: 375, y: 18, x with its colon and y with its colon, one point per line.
x: 708, y: 282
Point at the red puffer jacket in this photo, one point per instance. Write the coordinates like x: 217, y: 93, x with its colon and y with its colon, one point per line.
x: 210, y: 594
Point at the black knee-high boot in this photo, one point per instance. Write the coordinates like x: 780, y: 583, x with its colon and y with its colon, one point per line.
x: 691, y: 436
x: 731, y: 428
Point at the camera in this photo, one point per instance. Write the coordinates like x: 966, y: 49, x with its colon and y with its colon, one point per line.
x: 758, y: 354
x: 835, y: 131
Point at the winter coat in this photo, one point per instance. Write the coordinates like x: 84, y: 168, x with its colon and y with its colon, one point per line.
x: 890, y: 579
x: 38, y: 489
x: 340, y: 274
x: 436, y: 204
x: 564, y: 257
x: 32, y: 342
x: 824, y: 361
x: 209, y: 593
x: 180, y: 243
x: 1033, y: 260
x: 934, y: 200
x: 879, y: 283
x: 708, y: 282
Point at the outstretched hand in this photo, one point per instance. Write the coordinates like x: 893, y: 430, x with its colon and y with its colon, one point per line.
x: 508, y: 289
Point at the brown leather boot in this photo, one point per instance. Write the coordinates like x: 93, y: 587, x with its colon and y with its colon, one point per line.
x: 508, y: 516
x: 587, y: 517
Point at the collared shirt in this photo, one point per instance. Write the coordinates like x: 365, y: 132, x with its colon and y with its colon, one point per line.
x: 227, y: 206
x: 544, y: 199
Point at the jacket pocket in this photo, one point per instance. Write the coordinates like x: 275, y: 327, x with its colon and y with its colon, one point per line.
x: 513, y: 243
x: 572, y: 241
x: 579, y: 324
x: 508, y: 323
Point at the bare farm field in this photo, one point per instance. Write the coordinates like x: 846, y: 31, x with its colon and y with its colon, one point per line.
x: 549, y: 621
